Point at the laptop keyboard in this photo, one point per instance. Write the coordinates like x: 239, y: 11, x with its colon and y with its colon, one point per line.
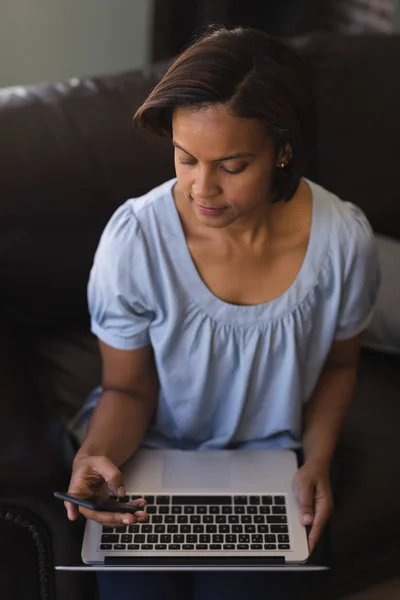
x: 205, y: 523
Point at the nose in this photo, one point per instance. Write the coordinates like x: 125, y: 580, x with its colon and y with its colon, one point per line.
x: 205, y: 184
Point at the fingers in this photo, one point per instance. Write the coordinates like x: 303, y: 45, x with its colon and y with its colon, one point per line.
x: 305, y: 491
x: 323, y: 510
x: 114, y: 519
x: 111, y: 475
x: 72, y: 511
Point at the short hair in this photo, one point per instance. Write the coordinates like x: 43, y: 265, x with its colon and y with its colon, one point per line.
x: 256, y: 76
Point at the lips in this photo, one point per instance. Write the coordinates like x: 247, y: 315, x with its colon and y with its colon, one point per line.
x: 210, y: 211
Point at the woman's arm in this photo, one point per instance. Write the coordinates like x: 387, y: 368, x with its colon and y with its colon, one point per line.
x: 125, y: 407
x: 328, y: 406
x: 324, y: 416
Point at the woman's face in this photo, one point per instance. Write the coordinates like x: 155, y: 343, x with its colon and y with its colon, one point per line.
x: 223, y: 163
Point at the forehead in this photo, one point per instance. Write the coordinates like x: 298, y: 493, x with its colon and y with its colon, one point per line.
x: 214, y: 130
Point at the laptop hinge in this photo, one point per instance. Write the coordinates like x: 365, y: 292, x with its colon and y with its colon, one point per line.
x: 187, y: 561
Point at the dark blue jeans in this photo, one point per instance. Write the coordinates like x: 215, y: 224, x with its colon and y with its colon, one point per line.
x: 207, y: 586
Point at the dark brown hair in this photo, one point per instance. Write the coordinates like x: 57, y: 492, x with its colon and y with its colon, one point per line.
x: 256, y: 76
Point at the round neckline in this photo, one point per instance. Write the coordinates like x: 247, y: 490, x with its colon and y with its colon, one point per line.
x: 219, y: 309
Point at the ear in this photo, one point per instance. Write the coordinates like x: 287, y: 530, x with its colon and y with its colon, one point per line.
x: 284, y: 156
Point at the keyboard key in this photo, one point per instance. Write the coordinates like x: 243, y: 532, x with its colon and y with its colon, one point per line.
x: 136, y: 497
x: 176, y: 510
x: 121, y: 529
x: 262, y: 529
x: 185, y: 529
x: 244, y: 539
x: 255, y: 500
x: 163, y: 510
x: 250, y: 528
x: 283, y: 546
x: 221, y: 518
x: 198, y: 528
x: 279, y: 499
x: 139, y: 538
x: 217, y: 539
x: 162, y: 500
x: 205, y: 539
x: 202, y: 547
x: 252, y: 510
x: 147, y: 529
x: 187, y: 547
x: 133, y: 546
x: 166, y: 538
x: 214, y: 510
x: 152, y: 539
x: 195, y: 519
x: 283, y: 538
x: 127, y: 538
x: 201, y: 510
x: 239, y: 510
x: 246, y: 519
x: 270, y: 539
x: 149, y: 499
x: 211, y: 528
x: 269, y: 546
x: 170, y: 519
x: 189, y: 510
x: 276, y: 519
x: 208, y: 519
x: 160, y: 547
x: 240, y: 500
x: 119, y: 546
x: 172, y: 528
x: 223, y: 528
x: 279, y: 529
x: 237, y: 528
x: 178, y: 539
x: 182, y: 519
x: 174, y: 547
x: 229, y: 547
x: 208, y: 500
x: 147, y: 547
x: 159, y: 529
x: 242, y: 546
x: 256, y: 538
x: 266, y: 500
x: 151, y: 510
x: 108, y: 529
x: 231, y: 539
x: 105, y: 546
x: 259, y: 519
x: 264, y: 510
x: 109, y: 538
x: 157, y: 519
x: 215, y: 547
x: 191, y: 539
x: 256, y: 546
x: 279, y: 510
x: 227, y: 510
x: 233, y: 519
x: 125, y: 499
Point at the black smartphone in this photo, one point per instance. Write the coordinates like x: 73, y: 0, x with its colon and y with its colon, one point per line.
x: 98, y: 503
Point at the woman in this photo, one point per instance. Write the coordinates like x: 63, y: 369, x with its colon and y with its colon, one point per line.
x: 228, y: 302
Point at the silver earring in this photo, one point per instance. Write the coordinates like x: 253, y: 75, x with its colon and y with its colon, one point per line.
x: 282, y: 165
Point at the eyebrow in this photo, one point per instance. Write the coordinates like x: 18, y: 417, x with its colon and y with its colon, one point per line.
x: 222, y: 158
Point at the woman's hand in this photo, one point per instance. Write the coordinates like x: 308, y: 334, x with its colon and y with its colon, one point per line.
x: 313, y: 488
x: 96, y: 475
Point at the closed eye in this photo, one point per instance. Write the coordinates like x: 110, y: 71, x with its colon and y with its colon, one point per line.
x: 191, y: 163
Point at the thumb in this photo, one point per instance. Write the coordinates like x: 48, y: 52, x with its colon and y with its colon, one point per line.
x: 112, y: 476
x: 305, y: 495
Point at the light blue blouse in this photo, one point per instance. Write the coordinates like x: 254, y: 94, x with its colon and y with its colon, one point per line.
x: 230, y: 376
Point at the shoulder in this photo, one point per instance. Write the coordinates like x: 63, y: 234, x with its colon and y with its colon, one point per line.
x: 351, y: 235
x: 136, y: 215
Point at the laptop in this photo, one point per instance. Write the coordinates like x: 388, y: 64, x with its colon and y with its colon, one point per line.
x: 207, y: 510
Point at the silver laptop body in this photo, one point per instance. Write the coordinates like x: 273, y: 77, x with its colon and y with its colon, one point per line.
x: 243, y: 499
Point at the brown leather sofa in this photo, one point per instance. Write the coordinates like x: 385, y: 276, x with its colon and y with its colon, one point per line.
x: 68, y: 158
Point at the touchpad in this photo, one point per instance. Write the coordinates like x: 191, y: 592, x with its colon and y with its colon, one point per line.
x: 196, y: 471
